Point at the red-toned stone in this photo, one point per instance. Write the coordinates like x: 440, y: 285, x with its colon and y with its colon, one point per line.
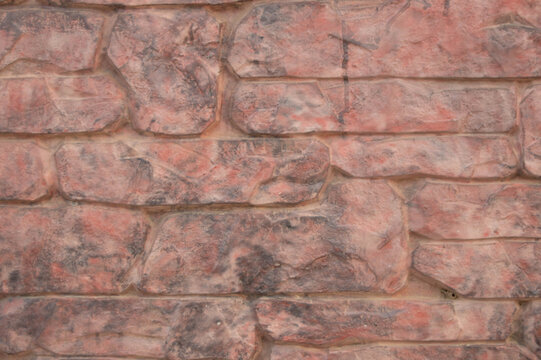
x: 288, y: 352
x: 22, y: 172
x: 341, y: 321
x: 387, y: 106
x: 442, y: 38
x: 402, y: 352
x: 531, y: 326
x: 64, y: 38
x: 530, y: 110
x: 59, y: 104
x: 345, y: 245
x: 75, y: 249
x: 142, y: 2
x: 193, y: 172
x: 295, y: 39
x: 441, y: 156
x: 474, y: 211
x: 490, y: 269
x: 398, y: 38
x: 169, y: 58
x: 138, y: 327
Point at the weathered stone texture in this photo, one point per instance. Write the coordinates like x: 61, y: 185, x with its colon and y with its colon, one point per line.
x: 488, y: 269
x: 296, y: 39
x: 433, y: 38
x: 23, y: 174
x: 170, y: 62
x: 383, y: 106
x: 474, y: 211
x: 467, y: 157
x: 72, y: 249
x: 143, y: 2
x: 46, y: 105
x: 402, y: 352
x: 193, y: 172
x: 345, y: 321
x: 346, y: 245
x: 530, y: 112
x: 136, y: 327
x: 65, y: 39
x: 531, y: 326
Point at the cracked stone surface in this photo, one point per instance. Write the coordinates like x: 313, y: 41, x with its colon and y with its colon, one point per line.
x: 531, y: 326
x: 170, y: 61
x: 71, y: 249
x: 46, y: 105
x: 474, y: 211
x: 425, y: 38
x: 124, y: 327
x: 530, y: 108
x: 345, y: 321
x: 346, y: 245
x: 469, y: 157
x: 23, y: 176
x: 382, y: 106
x: 298, y: 40
x: 65, y: 39
x: 194, y: 172
x: 488, y: 269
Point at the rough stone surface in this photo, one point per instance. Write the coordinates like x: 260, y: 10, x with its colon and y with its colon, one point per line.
x: 444, y: 38
x: 193, y: 172
x: 143, y: 2
x: 387, y: 106
x: 474, y: 211
x: 295, y: 39
x: 73, y: 249
x: 530, y: 110
x: 398, y: 38
x: 346, y: 245
x: 342, y: 321
x: 270, y: 179
x: 441, y: 156
x: 531, y: 323
x: 170, y: 62
x: 65, y: 39
x: 488, y: 269
x: 47, y: 105
x: 401, y: 352
x: 149, y: 328
x: 22, y: 172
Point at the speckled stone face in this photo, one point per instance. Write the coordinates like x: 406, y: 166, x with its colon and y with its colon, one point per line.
x: 270, y: 180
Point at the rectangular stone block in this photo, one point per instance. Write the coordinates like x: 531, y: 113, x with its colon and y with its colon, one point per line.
x: 465, y: 157
x: 70, y: 249
x: 193, y: 172
x: 57, y: 105
x: 129, y: 327
x: 473, y: 211
x: 326, y: 321
x: 378, y: 106
x: 64, y: 39
x: 344, y: 245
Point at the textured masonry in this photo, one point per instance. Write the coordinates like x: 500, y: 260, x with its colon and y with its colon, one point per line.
x: 270, y: 180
